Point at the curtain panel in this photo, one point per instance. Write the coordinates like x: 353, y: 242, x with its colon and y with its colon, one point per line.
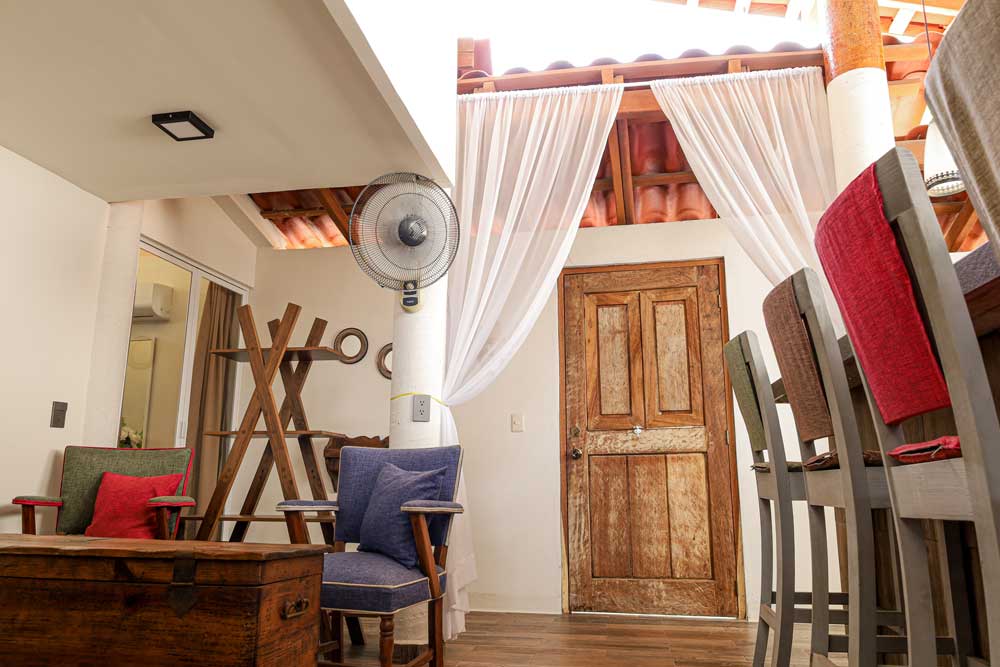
x: 759, y: 144
x: 526, y: 165
x: 211, y: 382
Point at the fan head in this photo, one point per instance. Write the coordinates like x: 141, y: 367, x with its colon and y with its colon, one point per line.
x: 404, y: 231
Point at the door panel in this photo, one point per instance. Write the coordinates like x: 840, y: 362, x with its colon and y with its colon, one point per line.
x: 647, y: 476
x: 671, y: 350
x: 614, y: 361
x: 649, y: 500
x: 690, y: 548
x: 609, y: 516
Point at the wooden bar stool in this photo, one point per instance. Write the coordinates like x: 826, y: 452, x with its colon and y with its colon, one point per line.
x: 779, y: 484
x: 815, y: 383
x: 882, y: 251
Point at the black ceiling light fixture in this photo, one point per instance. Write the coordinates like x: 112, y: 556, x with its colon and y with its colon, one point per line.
x: 183, y: 125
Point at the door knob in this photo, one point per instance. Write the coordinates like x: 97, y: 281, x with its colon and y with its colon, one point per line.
x: 576, y: 453
x: 637, y: 430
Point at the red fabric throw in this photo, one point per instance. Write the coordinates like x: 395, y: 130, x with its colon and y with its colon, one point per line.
x: 858, y: 251
x: 121, y: 510
x: 939, y: 449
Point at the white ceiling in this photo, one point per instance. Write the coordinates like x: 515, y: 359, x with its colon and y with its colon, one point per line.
x: 291, y: 102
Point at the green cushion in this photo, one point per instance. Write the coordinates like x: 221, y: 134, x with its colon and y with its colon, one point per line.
x: 83, y: 468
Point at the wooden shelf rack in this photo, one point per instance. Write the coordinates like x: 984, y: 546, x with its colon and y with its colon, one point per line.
x: 266, y: 363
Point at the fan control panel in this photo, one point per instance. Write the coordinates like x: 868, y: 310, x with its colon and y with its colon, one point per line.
x: 409, y: 298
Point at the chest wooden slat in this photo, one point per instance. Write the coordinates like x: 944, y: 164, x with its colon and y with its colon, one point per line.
x: 73, y: 600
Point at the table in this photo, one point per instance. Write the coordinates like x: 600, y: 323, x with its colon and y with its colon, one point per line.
x: 979, y: 275
x: 71, y: 600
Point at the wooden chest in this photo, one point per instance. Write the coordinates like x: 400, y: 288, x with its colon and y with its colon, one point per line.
x: 74, y: 600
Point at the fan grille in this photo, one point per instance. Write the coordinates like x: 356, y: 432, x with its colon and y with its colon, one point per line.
x: 374, y: 230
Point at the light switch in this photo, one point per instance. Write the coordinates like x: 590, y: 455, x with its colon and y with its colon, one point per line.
x: 517, y: 423
x: 57, y: 418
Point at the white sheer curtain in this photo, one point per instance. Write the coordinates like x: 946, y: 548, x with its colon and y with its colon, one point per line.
x: 759, y: 144
x: 526, y: 165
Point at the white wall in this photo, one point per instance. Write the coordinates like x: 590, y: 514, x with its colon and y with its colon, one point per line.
x: 50, y: 266
x: 197, y: 229
x: 512, y: 478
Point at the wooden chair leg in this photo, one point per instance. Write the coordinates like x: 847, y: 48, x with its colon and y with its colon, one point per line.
x: 386, y: 628
x: 163, y: 523
x: 336, y: 621
x: 766, y: 579
x: 435, y: 631
x: 28, y: 519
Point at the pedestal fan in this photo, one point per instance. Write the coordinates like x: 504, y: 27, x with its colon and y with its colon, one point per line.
x: 404, y: 234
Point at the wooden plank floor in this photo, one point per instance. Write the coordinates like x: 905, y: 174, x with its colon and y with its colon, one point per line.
x: 589, y: 640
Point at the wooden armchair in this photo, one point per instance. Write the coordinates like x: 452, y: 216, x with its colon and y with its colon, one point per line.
x: 82, y: 470
x: 369, y: 583
x: 913, y: 338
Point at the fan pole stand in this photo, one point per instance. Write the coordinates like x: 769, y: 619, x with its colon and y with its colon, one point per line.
x: 418, y: 361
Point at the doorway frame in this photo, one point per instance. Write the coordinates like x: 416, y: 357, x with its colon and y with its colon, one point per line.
x: 197, y: 271
x: 720, y: 262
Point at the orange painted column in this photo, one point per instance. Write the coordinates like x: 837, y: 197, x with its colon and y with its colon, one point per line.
x: 857, y: 90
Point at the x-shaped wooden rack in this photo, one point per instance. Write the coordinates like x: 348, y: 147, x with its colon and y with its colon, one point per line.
x: 265, y: 364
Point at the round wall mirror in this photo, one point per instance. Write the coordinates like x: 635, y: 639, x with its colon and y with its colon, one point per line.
x: 384, y: 361
x: 351, y: 344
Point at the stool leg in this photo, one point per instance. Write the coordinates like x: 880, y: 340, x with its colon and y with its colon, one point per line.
x: 766, y: 578
x: 956, y: 592
x: 820, y: 633
x: 920, y: 631
x: 386, y: 628
x: 781, y: 655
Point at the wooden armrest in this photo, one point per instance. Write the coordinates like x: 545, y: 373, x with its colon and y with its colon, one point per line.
x: 28, y: 505
x: 431, y: 507
x: 307, y: 506
x: 425, y: 552
x: 171, y: 501
x: 39, y: 501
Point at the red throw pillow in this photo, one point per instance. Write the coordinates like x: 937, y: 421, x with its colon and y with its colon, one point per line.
x: 945, y: 447
x: 120, y: 509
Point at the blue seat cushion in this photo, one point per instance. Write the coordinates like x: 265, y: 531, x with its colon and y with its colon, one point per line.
x: 370, y: 582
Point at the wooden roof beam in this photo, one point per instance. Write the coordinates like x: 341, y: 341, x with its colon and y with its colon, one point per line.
x: 336, y: 211
x: 960, y: 227
x: 293, y: 213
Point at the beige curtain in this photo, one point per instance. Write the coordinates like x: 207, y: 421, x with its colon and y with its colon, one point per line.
x: 211, y: 386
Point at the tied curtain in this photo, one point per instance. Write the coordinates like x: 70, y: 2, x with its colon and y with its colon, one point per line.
x: 525, y: 168
x: 211, y: 384
x: 759, y: 144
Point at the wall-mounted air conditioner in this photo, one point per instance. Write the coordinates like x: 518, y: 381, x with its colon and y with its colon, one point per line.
x: 152, y: 302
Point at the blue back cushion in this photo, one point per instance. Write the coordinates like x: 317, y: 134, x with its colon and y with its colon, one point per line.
x: 386, y: 528
x: 359, y: 470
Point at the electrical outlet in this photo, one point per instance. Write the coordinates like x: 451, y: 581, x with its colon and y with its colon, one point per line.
x: 517, y: 423
x: 421, y: 408
x: 57, y: 419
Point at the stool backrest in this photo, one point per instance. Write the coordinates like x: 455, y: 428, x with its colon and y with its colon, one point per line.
x: 754, y: 396
x: 888, y: 266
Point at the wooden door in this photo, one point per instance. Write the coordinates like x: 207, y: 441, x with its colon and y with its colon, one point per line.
x: 650, y: 501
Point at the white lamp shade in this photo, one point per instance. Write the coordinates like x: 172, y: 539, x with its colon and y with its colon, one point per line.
x: 940, y: 171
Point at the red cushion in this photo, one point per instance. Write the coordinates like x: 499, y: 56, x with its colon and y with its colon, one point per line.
x: 120, y: 509
x: 869, y: 280
x: 939, y: 449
